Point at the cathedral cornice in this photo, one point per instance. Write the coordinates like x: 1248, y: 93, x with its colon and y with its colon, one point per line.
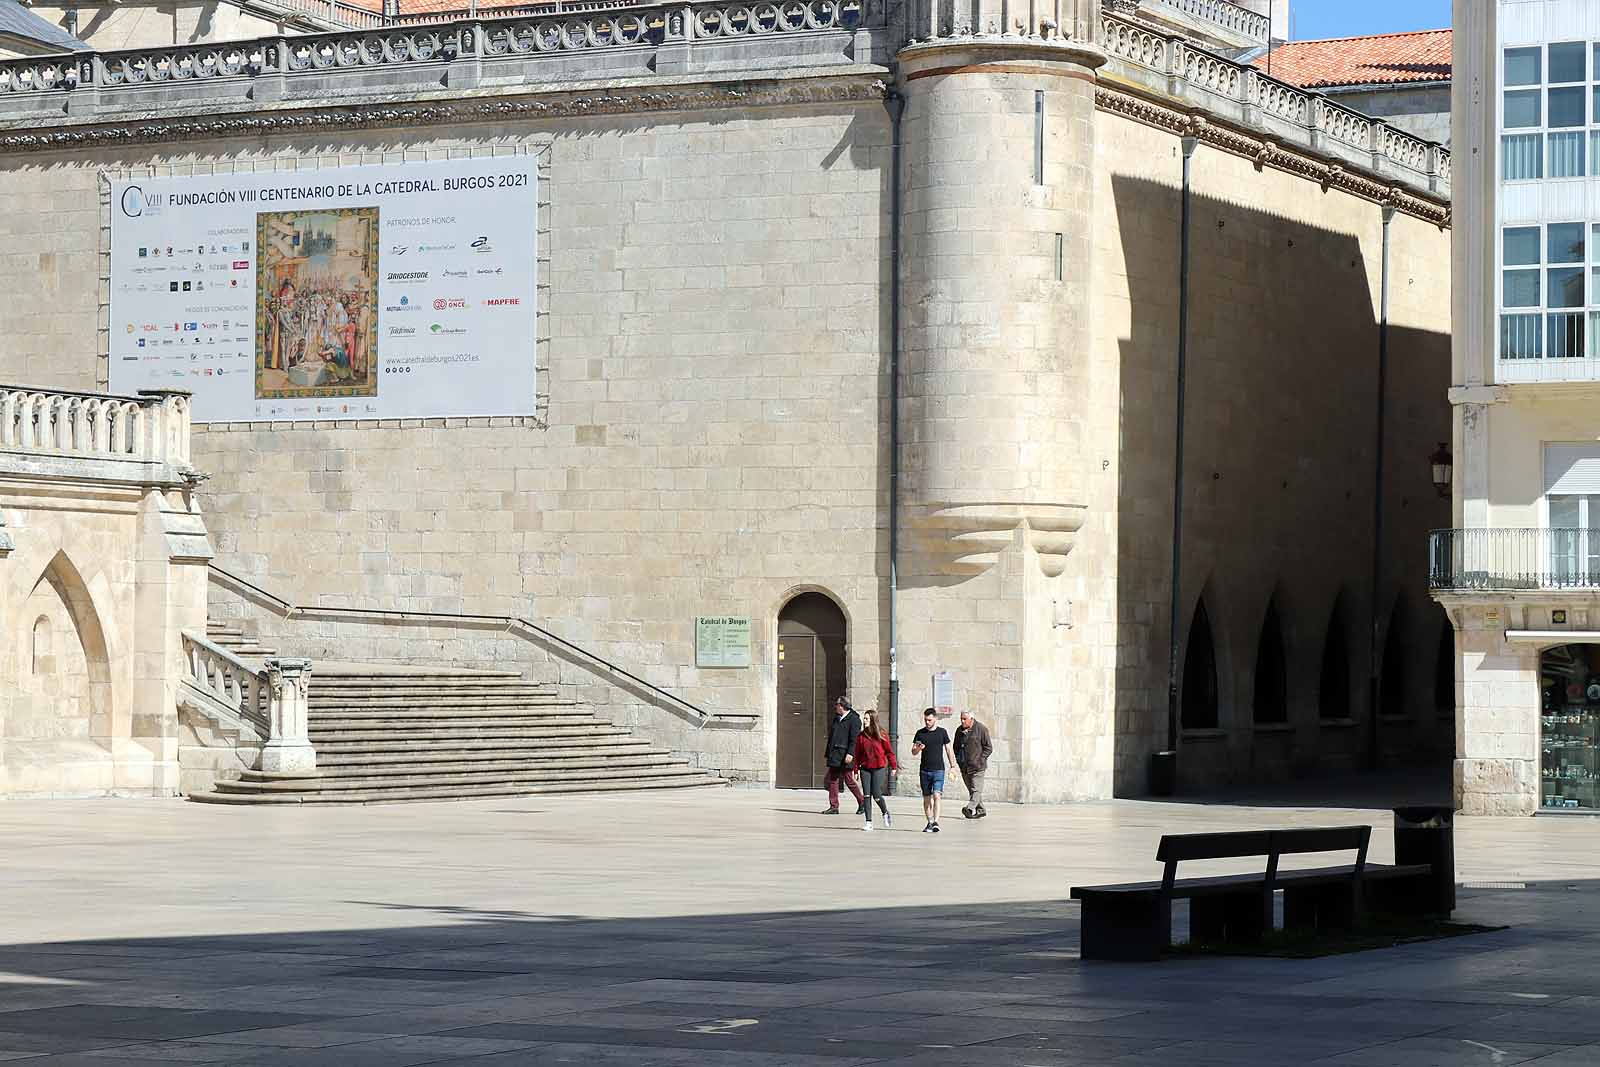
x: 1265, y: 151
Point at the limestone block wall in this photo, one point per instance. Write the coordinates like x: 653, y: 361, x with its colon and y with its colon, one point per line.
x: 712, y: 356
x: 115, y: 24
x: 1279, y: 459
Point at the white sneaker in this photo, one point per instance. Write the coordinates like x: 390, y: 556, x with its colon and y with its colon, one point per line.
x: 866, y: 826
x: 887, y: 822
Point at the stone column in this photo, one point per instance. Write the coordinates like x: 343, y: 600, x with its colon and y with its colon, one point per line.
x: 1497, y: 764
x: 998, y: 191
x: 288, y: 750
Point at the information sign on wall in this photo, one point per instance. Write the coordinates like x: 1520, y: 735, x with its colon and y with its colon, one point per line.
x: 944, y: 692
x: 721, y: 641
x: 402, y: 291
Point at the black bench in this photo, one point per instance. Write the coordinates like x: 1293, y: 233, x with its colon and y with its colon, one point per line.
x: 1134, y: 921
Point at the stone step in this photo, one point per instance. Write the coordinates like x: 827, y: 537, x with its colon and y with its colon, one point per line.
x: 390, y: 796
x: 356, y: 778
x: 487, y: 727
x: 529, y: 746
x: 465, y: 733
x: 252, y: 783
x: 441, y: 699
x: 446, y: 763
x: 416, y: 675
x: 452, y: 710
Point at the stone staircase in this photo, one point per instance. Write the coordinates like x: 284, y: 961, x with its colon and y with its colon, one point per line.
x: 397, y: 733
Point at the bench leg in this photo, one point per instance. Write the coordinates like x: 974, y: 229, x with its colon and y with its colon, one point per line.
x: 1236, y: 918
x: 1402, y: 896
x: 1323, y: 907
x: 1129, y: 927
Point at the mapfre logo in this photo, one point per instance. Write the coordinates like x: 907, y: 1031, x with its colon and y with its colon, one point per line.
x: 503, y: 301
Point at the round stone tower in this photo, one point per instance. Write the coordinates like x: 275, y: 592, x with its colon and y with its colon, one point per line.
x: 998, y: 206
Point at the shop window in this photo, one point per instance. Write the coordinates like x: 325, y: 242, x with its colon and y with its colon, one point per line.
x: 1272, y: 676
x: 1569, y: 679
x: 1333, y: 689
x: 1199, y: 706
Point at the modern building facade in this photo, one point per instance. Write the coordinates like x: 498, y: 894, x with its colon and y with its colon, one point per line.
x: 1518, y: 574
x: 857, y: 347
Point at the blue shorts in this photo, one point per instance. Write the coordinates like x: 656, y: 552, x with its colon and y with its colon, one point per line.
x: 932, y: 782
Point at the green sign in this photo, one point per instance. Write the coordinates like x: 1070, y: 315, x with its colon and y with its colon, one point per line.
x: 722, y: 641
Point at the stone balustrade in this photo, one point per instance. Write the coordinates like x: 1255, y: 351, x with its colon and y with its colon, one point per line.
x: 1171, y: 65
x: 270, y: 703
x: 601, y: 27
x: 1231, y: 17
x: 151, y: 428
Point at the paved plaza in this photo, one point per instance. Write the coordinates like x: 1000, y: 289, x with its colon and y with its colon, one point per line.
x: 730, y: 928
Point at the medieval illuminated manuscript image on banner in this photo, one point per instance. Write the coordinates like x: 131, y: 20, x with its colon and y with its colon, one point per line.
x: 317, y: 303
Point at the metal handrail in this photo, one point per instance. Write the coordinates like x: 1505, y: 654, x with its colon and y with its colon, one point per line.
x: 509, y: 623
x: 1511, y: 559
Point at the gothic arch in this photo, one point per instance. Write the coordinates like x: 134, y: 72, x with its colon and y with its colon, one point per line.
x: 1200, y: 700
x: 78, y: 685
x: 1270, y: 700
x: 1392, y: 679
x: 1333, y: 680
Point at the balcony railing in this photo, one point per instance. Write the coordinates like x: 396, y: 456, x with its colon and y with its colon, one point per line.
x: 1507, y: 560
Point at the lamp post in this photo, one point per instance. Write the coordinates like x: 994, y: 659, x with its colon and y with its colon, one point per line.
x: 1443, y: 469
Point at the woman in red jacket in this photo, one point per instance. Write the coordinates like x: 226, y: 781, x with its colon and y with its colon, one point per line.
x: 875, y: 759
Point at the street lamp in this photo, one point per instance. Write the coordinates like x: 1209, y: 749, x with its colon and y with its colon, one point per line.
x: 1442, y: 468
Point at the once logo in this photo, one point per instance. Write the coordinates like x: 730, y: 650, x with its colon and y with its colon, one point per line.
x: 442, y: 303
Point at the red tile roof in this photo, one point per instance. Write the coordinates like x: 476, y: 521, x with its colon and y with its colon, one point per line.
x: 1396, y: 58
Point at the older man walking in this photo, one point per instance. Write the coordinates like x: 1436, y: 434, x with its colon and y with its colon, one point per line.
x: 973, y: 748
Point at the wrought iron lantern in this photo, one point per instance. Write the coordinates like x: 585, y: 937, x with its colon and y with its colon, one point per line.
x: 1443, y: 468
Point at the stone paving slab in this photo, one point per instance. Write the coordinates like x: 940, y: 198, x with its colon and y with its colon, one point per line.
x: 726, y: 929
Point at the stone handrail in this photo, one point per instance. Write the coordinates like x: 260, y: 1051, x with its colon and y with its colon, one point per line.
x: 341, y: 13
x: 1240, y: 20
x: 271, y: 701
x: 228, y: 680
x: 1297, y: 115
x: 436, y: 42
x: 152, y: 427
x: 522, y: 629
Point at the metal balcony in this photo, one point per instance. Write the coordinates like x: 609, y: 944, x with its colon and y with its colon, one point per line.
x: 1503, y: 559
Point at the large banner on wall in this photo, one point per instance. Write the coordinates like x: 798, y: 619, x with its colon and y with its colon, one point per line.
x: 357, y: 293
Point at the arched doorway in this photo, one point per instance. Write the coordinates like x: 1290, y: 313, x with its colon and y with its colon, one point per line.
x: 811, y: 672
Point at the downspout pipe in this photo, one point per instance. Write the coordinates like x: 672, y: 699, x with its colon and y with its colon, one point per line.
x: 896, y: 105
x: 1375, y: 650
x: 1164, y: 767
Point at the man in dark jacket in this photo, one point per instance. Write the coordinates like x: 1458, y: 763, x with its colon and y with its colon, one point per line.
x: 840, y: 755
x: 973, y: 748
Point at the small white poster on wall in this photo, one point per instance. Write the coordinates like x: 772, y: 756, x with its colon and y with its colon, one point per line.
x: 402, y: 291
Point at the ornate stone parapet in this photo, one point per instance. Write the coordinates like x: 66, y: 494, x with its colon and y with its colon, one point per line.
x: 1057, y: 21
x: 142, y: 438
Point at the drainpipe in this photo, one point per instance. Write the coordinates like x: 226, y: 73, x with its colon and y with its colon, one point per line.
x: 896, y: 105
x: 1377, y: 499
x: 1164, y: 765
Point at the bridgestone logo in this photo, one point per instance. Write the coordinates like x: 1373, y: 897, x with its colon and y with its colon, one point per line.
x: 413, y: 276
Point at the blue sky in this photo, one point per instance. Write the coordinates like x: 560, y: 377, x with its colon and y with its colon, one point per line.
x: 1311, y: 19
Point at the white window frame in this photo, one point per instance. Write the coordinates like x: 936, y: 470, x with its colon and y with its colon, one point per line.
x: 1588, y: 309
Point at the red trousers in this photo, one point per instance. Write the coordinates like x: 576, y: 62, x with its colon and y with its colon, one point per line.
x: 848, y: 773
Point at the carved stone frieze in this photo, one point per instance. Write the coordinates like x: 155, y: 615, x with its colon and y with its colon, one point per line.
x: 1266, y: 152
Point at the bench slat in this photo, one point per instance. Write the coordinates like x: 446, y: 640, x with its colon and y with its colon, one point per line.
x: 1189, y: 887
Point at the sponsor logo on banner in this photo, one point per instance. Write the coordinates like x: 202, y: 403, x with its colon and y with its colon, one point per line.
x: 241, y: 264
x: 398, y: 250
x: 143, y: 252
x: 454, y: 273
x: 489, y: 270
x: 481, y: 244
x: 404, y: 305
x: 445, y: 331
x: 436, y: 248
x: 503, y: 301
x: 448, y: 303
x: 140, y: 342
x: 406, y: 277
x: 402, y: 331
x: 172, y: 287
